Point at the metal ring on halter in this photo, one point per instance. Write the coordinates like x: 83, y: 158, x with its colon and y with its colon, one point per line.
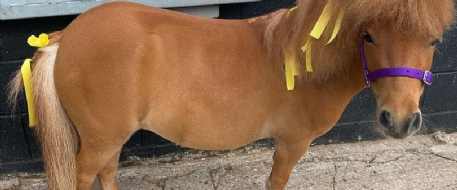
x: 426, y: 74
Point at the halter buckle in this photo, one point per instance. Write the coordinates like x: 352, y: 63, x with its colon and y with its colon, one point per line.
x: 426, y: 74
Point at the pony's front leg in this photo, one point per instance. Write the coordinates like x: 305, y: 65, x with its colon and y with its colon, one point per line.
x: 285, y: 158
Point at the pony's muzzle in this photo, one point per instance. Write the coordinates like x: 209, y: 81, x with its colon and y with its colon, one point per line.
x: 399, y: 128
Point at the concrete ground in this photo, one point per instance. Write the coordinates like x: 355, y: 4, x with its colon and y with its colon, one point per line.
x: 419, y: 163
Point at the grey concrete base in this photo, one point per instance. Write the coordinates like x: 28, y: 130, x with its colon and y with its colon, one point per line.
x: 419, y: 163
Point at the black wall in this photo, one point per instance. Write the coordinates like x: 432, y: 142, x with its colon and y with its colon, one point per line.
x: 19, y: 150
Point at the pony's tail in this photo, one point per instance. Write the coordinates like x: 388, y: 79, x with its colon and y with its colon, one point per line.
x: 15, y: 88
x: 58, y: 137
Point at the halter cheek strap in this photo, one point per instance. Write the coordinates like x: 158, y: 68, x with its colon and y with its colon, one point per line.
x: 425, y: 76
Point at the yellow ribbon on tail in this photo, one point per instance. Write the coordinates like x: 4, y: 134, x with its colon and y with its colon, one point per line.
x: 26, y: 71
x: 41, y: 41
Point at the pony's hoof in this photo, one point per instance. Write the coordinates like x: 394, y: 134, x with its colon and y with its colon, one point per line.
x: 268, y: 184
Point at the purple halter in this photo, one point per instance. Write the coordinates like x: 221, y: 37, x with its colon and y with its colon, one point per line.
x: 425, y: 76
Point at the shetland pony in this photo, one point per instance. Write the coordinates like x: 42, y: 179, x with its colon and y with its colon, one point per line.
x: 219, y: 84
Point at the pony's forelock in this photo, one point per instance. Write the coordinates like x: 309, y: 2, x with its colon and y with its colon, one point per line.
x: 419, y: 17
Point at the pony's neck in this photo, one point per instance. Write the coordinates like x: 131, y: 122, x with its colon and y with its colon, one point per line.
x: 335, y: 65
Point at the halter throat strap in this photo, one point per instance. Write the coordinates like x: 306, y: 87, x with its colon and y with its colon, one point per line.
x: 425, y: 76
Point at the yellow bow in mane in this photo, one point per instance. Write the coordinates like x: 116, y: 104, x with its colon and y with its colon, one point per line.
x: 26, y: 71
x: 316, y: 33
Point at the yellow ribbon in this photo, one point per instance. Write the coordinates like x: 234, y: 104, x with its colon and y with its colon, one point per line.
x: 307, y: 50
x: 291, y: 71
x: 316, y: 32
x: 293, y: 9
x: 338, y: 23
x: 41, y: 41
x: 323, y: 21
x: 26, y: 71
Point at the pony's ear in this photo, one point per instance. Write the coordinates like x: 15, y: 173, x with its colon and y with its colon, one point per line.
x: 298, y: 2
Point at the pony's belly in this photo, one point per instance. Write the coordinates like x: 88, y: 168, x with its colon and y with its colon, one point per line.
x: 210, y: 118
x: 219, y: 142
x: 209, y: 135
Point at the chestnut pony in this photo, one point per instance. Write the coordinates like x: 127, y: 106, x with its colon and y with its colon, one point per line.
x: 219, y: 84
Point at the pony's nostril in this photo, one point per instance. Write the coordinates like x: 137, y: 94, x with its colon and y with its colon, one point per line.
x: 415, y: 123
x: 384, y: 119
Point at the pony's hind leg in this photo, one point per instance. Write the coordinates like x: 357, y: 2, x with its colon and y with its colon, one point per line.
x: 107, y: 175
x: 285, y: 158
x: 100, y: 151
x: 90, y: 161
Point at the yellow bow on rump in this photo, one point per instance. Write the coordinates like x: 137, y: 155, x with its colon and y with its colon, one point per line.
x: 41, y: 41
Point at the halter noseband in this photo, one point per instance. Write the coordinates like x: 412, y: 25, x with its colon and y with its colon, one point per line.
x: 425, y: 76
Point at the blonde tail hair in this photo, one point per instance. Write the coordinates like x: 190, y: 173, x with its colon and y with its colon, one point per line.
x: 58, y: 137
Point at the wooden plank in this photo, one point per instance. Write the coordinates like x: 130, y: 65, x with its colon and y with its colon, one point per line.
x: 13, y: 143
x: 20, y: 9
x: 169, y: 3
x: 27, y: 2
x: 206, y: 11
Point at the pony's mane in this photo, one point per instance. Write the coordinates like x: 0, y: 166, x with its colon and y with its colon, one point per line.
x: 285, y: 31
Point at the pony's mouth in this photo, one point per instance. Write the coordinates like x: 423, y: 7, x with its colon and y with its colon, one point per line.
x: 399, y: 128
x: 392, y: 135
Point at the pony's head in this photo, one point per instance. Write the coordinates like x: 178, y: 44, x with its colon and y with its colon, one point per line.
x: 395, y: 33
x: 398, y: 97
x: 400, y: 34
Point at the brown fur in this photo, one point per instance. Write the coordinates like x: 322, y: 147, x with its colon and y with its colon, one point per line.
x: 215, y: 84
x: 405, y: 17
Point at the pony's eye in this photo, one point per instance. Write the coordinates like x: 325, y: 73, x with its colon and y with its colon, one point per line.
x: 435, y: 42
x: 368, y: 38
